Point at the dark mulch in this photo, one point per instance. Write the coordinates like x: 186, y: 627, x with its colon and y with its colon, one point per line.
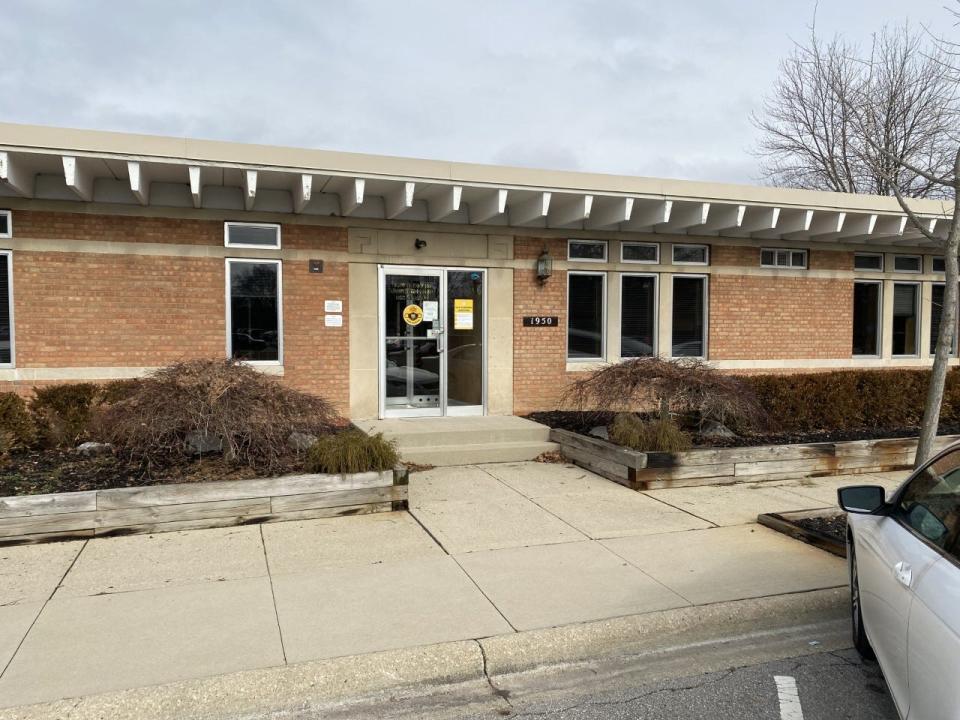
x: 47, y: 471
x: 833, y: 525
x: 583, y: 422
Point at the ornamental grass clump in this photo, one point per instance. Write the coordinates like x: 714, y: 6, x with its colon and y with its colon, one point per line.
x: 352, y: 451
x: 656, y: 435
x: 248, y: 414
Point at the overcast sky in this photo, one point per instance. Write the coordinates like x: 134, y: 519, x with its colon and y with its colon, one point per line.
x: 661, y: 88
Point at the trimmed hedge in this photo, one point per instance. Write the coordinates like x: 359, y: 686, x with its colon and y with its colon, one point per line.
x: 852, y: 399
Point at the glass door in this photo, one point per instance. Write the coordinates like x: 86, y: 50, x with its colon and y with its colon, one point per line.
x: 412, y: 330
x: 433, y: 337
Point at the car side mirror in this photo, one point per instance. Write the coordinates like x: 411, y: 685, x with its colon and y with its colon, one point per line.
x: 862, y: 499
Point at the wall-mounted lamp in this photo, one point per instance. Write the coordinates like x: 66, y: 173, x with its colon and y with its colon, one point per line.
x: 420, y: 244
x: 544, y: 266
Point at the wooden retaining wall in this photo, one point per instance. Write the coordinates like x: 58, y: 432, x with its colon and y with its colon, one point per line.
x: 717, y: 466
x: 161, y: 508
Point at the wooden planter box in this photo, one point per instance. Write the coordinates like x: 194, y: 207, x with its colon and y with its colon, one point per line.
x: 717, y: 466
x: 160, y: 508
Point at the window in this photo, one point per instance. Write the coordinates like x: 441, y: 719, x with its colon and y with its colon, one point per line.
x: 589, y: 250
x: 254, y: 311
x: 6, y: 309
x: 585, y: 315
x: 866, y: 318
x: 906, y: 318
x: 638, y: 315
x: 640, y: 252
x: 691, y: 254
x: 868, y: 261
x: 907, y: 263
x: 937, y: 264
x: 936, y: 313
x: 783, y: 257
x: 689, y: 316
x: 930, y: 504
x: 6, y: 224
x: 251, y: 235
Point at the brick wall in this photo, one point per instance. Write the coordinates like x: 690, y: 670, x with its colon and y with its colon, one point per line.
x: 77, y: 309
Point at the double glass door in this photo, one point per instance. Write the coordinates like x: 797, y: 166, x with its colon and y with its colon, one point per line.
x: 432, y: 338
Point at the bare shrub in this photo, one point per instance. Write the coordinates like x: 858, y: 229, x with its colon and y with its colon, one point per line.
x: 62, y: 412
x: 251, y: 413
x: 351, y: 452
x: 17, y: 429
x: 657, y: 435
x: 682, y: 386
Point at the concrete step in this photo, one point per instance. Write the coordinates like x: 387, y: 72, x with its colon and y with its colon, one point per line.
x: 457, y: 431
x: 469, y: 454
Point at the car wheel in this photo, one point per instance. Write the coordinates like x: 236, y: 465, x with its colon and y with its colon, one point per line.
x: 860, y: 641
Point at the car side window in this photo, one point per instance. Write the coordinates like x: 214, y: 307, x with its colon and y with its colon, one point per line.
x: 930, y: 504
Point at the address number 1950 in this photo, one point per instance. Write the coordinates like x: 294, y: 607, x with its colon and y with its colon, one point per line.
x: 541, y: 321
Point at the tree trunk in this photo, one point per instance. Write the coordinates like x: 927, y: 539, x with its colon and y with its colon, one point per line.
x: 948, y: 323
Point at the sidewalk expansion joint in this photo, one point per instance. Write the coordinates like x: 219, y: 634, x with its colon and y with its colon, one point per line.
x: 42, y: 608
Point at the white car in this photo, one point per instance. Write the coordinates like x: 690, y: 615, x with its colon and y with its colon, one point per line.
x: 904, y: 560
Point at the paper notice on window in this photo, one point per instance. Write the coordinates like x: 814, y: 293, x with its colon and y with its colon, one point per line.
x: 431, y: 309
x: 463, y: 314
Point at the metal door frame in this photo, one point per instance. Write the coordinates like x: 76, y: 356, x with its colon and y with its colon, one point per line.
x: 443, y: 409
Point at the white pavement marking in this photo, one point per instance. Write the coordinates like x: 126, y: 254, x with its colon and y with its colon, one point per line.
x: 789, y: 698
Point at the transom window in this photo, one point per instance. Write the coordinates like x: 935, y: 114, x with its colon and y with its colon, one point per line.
x: 783, y: 258
x: 635, y: 252
x: 6, y: 224
x: 691, y: 254
x: 868, y: 261
x: 254, y: 311
x: 586, y: 304
x: 251, y: 235
x: 589, y: 250
x: 907, y: 263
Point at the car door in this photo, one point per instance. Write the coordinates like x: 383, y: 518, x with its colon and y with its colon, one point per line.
x: 894, y: 556
x: 930, y: 511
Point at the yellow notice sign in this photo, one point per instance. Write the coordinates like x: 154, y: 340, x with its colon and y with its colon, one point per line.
x: 463, y: 314
x: 413, y: 315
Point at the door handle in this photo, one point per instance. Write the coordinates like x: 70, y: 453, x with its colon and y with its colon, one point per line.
x: 903, y: 572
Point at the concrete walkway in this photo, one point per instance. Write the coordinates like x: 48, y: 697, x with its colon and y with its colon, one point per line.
x: 486, y: 550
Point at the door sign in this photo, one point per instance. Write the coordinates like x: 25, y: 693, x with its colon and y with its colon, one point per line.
x: 463, y: 314
x: 431, y: 310
x: 412, y: 315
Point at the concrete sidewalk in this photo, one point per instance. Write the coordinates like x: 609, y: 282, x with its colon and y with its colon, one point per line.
x: 485, y: 551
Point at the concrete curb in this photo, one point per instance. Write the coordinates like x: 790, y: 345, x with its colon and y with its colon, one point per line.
x: 312, y: 684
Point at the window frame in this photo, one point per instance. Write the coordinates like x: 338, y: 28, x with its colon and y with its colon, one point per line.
x: 873, y: 255
x: 229, y: 318
x: 13, y: 343
x: 673, y: 254
x: 919, y: 307
x: 656, y: 313
x: 9, y: 215
x: 706, y: 314
x: 880, y: 323
x: 932, y: 350
x: 604, y: 243
x: 918, y: 271
x: 790, y: 252
x: 631, y: 243
x: 603, y: 319
x: 237, y: 223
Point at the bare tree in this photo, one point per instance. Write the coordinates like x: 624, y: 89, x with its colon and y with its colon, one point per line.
x: 885, y: 123
x: 810, y: 137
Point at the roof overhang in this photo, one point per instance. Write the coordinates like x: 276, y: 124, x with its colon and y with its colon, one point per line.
x: 89, y: 166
